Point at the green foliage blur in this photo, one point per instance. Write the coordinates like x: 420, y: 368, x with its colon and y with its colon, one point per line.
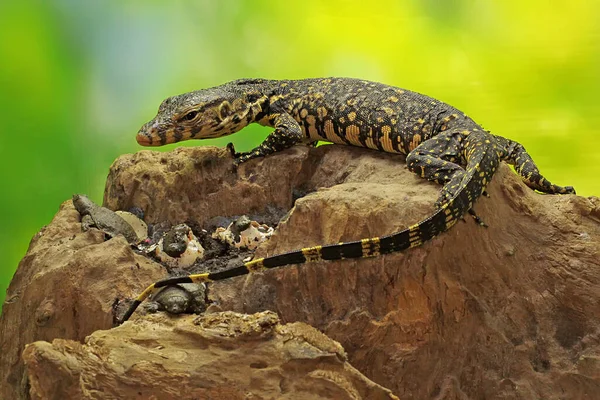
x: 78, y: 78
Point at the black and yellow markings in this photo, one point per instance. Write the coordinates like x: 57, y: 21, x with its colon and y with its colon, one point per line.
x: 322, y: 112
x: 370, y: 247
x: 146, y: 293
x: 331, y: 134
x: 200, y: 278
x: 448, y: 213
x: 414, y: 235
x: 386, y: 139
x: 255, y: 265
x: 359, y: 113
x: 446, y: 121
x: 370, y: 140
x: 313, y: 132
x: 414, y: 142
x: 450, y: 223
x: 312, y: 254
x: 352, y: 132
x: 400, y: 144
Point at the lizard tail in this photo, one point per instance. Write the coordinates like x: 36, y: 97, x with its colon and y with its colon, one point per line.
x: 482, y: 161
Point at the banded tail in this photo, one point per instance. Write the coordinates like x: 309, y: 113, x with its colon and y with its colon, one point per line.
x: 371, y: 247
x: 482, y: 160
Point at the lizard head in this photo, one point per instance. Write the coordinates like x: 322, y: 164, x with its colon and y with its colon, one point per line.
x: 83, y: 204
x: 203, y: 114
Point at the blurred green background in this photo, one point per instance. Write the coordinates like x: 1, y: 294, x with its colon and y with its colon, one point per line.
x: 78, y: 78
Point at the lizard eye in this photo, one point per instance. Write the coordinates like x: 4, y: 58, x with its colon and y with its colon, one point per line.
x: 190, y: 116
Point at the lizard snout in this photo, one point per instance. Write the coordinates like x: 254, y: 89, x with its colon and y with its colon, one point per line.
x: 147, y: 135
x: 143, y: 138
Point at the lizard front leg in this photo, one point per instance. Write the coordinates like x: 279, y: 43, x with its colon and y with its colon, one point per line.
x: 287, y: 133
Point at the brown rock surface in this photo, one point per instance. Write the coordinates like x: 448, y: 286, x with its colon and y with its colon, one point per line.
x: 65, y: 287
x: 510, y: 311
x: 224, y: 356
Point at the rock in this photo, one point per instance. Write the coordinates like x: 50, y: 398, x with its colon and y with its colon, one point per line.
x: 509, y: 311
x: 65, y: 287
x: 196, y: 184
x: 224, y: 356
x: 498, y: 312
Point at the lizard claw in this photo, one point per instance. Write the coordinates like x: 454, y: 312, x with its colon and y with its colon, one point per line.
x: 238, y: 159
x: 230, y: 146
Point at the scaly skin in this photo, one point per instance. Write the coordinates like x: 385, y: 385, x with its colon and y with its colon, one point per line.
x: 102, y: 218
x: 441, y: 143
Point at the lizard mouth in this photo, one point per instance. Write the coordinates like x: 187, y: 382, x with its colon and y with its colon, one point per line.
x: 144, y: 139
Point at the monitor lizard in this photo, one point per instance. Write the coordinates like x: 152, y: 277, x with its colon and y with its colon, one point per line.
x: 441, y: 144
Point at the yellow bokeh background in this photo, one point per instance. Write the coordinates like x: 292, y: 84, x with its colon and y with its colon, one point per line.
x: 78, y: 78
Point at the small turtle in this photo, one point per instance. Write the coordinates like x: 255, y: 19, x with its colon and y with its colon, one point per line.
x: 179, y: 247
x: 182, y: 298
x: 92, y: 215
x: 243, y: 233
x: 238, y: 226
x: 176, y: 240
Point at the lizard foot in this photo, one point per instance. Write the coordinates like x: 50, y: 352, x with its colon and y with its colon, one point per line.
x: 232, y: 151
x: 568, y: 190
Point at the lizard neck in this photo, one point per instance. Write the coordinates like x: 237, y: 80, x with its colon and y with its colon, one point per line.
x: 266, y: 97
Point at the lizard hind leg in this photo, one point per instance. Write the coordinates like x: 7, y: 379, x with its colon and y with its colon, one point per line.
x: 524, y: 165
x: 482, y: 157
x: 436, y: 159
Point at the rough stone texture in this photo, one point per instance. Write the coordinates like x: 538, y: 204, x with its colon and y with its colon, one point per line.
x: 65, y: 287
x: 221, y: 356
x: 505, y: 312
x: 509, y: 311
